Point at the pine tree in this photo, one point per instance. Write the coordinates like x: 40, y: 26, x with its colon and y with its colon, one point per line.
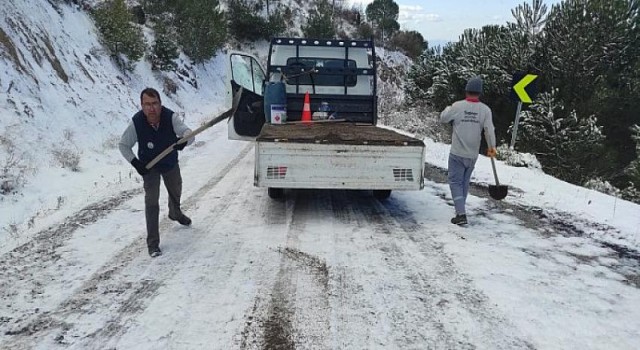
x: 202, y: 28
x: 365, y: 31
x: 591, y: 49
x: 530, y: 19
x: 447, y: 83
x: 527, y: 32
x: 119, y: 34
x: 165, y: 47
x: 247, y: 21
x: 411, y: 43
x: 384, y: 13
x: 276, y: 24
x: 420, y: 76
x: 567, y: 146
x: 244, y: 20
x: 320, y: 23
x: 632, y: 192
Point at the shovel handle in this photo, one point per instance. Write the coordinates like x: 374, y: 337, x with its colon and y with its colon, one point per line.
x: 212, y: 122
x: 495, y: 174
x: 186, y: 138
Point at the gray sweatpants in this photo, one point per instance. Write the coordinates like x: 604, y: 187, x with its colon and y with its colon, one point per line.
x: 173, y: 182
x: 460, y: 170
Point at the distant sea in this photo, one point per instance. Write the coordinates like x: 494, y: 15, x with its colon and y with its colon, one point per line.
x: 438, y: 42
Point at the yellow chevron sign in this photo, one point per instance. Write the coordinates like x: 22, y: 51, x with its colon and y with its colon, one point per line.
x: 522, y: 88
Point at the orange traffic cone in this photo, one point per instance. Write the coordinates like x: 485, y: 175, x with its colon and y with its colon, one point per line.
x: 306, y: 109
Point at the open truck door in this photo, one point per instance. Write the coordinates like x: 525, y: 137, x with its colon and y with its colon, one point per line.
x: 246, y: 72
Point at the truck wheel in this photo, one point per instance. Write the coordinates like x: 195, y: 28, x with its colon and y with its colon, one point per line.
x: 381, y: 194
x: 275, y: 193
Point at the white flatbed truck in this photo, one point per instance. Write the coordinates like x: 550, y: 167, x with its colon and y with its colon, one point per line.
x: 346, y: 152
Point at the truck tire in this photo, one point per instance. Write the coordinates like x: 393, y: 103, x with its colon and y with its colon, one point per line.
x: 381, y: 194
x: 275, y: 193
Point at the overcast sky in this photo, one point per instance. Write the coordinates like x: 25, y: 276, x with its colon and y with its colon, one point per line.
x: 444, y: 20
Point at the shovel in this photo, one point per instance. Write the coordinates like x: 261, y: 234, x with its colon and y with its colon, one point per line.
x: 498, y: 191
x: 212, y: 122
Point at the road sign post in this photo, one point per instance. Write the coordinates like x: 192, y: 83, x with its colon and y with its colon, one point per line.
x: 522, y: 90
x: 514, y: 131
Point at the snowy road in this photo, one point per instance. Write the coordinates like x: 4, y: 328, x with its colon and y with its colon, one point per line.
x: 318, y: 270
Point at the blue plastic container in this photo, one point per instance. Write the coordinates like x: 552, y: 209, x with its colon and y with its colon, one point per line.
x: 274, y: 94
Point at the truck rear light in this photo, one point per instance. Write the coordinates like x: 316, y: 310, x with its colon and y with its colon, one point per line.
x: 403, y: 174
x: 276, y: 172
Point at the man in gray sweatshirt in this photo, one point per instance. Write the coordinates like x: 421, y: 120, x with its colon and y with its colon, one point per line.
x: 468, y: 118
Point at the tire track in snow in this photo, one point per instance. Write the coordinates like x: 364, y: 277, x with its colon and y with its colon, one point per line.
x: 283, y: 326
x: 26, y: 269
x: 274, y: 213
x: 446, y: 291
x: 411, y: 295
x: 386, y: 313
x: 353, y: 315
x: 294, y: 313
x: 118, y: 285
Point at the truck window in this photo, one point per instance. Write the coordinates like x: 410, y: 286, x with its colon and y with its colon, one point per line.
x: 331, y: 72
x: 247, y: 73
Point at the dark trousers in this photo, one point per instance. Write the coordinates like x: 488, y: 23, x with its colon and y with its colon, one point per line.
x: 173, y: 182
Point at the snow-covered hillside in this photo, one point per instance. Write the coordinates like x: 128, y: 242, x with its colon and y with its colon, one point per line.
x: 65, y: 104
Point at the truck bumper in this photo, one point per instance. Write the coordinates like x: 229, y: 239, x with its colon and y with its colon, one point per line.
x: 326, y: 166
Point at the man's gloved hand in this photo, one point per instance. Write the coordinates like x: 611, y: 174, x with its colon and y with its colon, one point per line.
x: 180, y: 146
x: 140, y: 168
x: 492, y: 152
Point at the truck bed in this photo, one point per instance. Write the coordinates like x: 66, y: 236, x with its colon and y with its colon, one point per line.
x: 335, y: 133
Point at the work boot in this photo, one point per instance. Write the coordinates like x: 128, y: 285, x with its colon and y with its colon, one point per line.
x: 460, y: 219
x: 183, y: 220
x: 154, y: 252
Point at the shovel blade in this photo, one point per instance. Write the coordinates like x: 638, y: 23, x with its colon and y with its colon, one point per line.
x: 498, y: 192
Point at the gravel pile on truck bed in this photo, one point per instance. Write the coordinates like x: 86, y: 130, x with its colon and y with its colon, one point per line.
x: 335, y: 133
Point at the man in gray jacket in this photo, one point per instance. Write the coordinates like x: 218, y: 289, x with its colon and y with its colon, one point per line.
x: 468, y: 118
x: 155, y: 128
